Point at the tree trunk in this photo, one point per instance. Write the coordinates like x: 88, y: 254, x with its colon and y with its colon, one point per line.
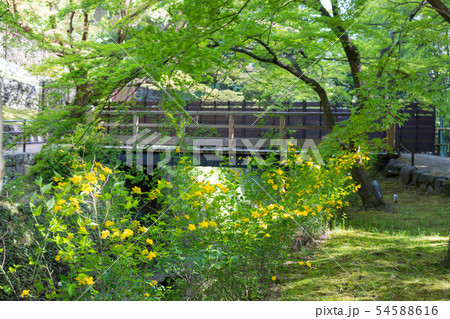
x: 441, y: 8
x: 2, y: 160
x: 367, y: 192
x: 446, y: 261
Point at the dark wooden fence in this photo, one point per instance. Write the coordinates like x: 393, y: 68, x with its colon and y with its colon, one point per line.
x: 299, y: 120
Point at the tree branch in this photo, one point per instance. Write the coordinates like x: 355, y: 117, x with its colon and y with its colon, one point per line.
x: 441, y: 8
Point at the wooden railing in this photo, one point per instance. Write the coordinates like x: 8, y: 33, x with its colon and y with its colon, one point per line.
x: 299, y: 120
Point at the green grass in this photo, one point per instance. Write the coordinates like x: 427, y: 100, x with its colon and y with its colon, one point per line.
x: 391, y: 254
x: 18, y: 114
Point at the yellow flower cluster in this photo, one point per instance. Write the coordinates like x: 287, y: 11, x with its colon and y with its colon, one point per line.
x: 126, y: 233
x: 85, y: 281
x: 136, y: 190
x: 150, y: 255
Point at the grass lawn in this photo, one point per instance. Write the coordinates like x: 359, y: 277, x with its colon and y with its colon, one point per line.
x: 391, y: 254
x: 18, y: 114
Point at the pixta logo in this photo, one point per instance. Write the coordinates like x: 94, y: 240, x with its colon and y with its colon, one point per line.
x: 150, y: 150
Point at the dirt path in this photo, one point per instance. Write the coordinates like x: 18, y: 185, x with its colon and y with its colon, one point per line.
x: 437, y: 165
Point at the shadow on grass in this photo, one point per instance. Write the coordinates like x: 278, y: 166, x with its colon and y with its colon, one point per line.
x: 391, y: 254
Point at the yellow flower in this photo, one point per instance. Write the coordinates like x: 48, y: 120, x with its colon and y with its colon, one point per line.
x: 300, y: 263
x: 86, y: 188
x: 91, y: 178
x: 149, y: 241
x: 105, y: 234
x: 186, y: 216
x: 107, y: 170
x: 275, y: 187
x: 126, y: 233
x: 62, y: 184
x: 136, y: 190
x: 308, y: 264
x: 203, y: 224
x: 85, y: 281
x: 279, y: 171
x: 83, y: 230
x: 135, y: 223
x: 144, y: 252
x: 255, y: 214
x: 57, y: 208
x: 147, y: 295
x: 109, y: 223
x: 151, y: 255
x: 89, y: 281
x: 25, y: 293
x: 58, y: 257
x: 178, y: 150
x: 142, y: 229
x: 102, y: 177
x: 270, y: 181
x: 274, y: 278
x: 267, y: 235
x: 75, y: 202
x: 75, y: 179
x: 155, y: 282
x: 58, y: 179
x: 191, y: 227
x: 213, y: 224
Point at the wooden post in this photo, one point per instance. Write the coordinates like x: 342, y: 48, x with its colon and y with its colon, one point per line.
x: 282, y: 127
x: 244, y: 118
x: 304, y: 120
x: 231, y: 148
x: 135, y: 124
x: 230, y: 127
x: 417, y: 129
x: 24, y: 140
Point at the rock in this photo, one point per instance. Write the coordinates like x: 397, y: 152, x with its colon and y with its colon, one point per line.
x: 422, y: 180
x: 415, y: 176
x: 393, y: 168
x: 406, y: 174
x: 438, y: 183
x: 431, y: 179
x: 446, y: 187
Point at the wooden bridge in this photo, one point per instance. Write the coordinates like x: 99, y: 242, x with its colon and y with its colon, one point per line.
x: 246, y: 120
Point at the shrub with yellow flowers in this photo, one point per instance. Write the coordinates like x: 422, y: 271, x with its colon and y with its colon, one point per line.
x: 103, y: 252
x: 231, y: 235
x: 222, y: 240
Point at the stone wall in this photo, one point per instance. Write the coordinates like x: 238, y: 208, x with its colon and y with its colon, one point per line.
x: 419, y: 178
x: 21, y: 89
x: 20, y: 95
x: 17, y: 164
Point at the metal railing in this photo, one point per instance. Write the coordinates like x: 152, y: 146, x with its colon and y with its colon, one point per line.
x: 442, y: 147
x: 24, y: 142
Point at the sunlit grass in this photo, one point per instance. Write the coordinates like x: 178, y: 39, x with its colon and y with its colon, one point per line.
x: 391, y: 254
x: 18, y: 114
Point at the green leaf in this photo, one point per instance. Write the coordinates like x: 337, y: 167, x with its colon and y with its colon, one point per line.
x: 128, y: 205
x: 71, y: 289
x: 46, y: 188
x: 37, y: 211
